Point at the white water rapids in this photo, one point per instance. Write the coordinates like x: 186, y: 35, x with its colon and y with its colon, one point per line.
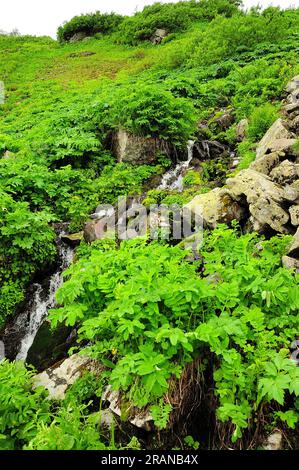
x: 173, y: 179
x: 42, y: 300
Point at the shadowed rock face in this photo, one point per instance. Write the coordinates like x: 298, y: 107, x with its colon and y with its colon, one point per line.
x: 137, y: 150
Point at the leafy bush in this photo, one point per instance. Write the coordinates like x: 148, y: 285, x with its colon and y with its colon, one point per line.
x: 89, y: 24
x: 261, y: 120
x: 147, y: 313
x: 26, y: 243
x: 151, y: 111
x: 227, y: 37
x: 173, y: 17
x: 21, y: 408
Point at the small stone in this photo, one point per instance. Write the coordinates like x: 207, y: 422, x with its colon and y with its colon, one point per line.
x: 241, y: 130
x: 294, y: 248
x: 290, y: 263
x: 274, y: 441
x: 294, y: 213
x: 292, y: 85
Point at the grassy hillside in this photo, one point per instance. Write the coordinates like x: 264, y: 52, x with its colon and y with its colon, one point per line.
x: 63, y: 103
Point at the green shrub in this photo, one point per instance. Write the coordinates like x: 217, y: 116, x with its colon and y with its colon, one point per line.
x: 21, y: 407
x: 227, y: 37
x: 173, y: 17
x: 261, y: 120
x: 150, y: 111
x: 90, y: 24
x: 147, y: 313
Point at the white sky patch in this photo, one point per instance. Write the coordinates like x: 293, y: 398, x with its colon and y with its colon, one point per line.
x: 42, y: 17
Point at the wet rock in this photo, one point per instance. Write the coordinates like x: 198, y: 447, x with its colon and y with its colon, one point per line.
x: 241, y: 130
x: 209, y: 150
x: 294, y: 213
x: 58, y: 378
x: 73, y: 239
x: 50, y: 346
x: 216, y: 207
x: 99, y: 229
x: 286, y: 173
x: 137, y: 150
x: 224, y: 121
x: 277, y: 131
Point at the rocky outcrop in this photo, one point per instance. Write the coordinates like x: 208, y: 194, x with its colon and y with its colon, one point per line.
x: 263, y: 197
x: 158, y: 36
x: 277, y: 138
x: 137, y: 150
x: 216, y: 207
x: 267, y: 193
x: 77, y: 37
x: 58, y: 378
x: 266, y: 163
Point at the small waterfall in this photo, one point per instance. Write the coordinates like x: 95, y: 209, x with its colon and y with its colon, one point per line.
x: 173, y: 179
x: 43, y: 299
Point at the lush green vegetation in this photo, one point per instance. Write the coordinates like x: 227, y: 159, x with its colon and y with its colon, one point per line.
x: 90, y: 25
x: 146, y: 312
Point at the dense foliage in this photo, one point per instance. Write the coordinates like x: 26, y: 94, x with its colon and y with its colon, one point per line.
x: 89, y: 24
x: 148, y: 313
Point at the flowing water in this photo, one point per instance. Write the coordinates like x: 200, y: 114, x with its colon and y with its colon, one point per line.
x: 42, y: 299
x: 173, y: 179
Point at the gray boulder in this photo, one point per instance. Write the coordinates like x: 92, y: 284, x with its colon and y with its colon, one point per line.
x: 264, y: 198
x: 277, y: 132
x: 294, y: 213
x: 216, y: 207
x: 58, y: 378
x: 266, y: 163
x: 286, y: 173
x: 137, y: 150
x: 158, y: 36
